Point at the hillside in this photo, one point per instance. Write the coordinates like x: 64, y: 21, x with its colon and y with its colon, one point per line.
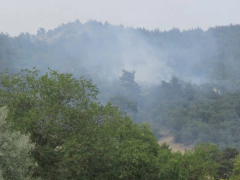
x: 186, y: 81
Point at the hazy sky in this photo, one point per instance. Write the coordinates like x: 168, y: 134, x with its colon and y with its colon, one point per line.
x: 18, y: 16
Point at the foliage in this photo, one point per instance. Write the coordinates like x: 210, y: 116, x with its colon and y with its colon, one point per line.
x: 15, y: 161
x: 196, y: 113
x: 128, y: 81
x: 236, y: 169
x: 133, y: 90
x: 125, y: 104
x: 192, y: 165
x: 98, y: 51
x: 75, y: 137
x: 226, y: 161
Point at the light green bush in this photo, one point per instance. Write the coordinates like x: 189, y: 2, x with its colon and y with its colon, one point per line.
x: 15, y: 162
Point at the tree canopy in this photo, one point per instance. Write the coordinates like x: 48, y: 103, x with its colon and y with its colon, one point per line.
x: 75, y: 137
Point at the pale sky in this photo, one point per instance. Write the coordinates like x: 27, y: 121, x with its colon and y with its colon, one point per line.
x: 18, y: 16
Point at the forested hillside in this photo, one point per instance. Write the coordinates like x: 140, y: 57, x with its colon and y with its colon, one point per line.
x: 185, y: 83
x: 181, y: 69
x: 53, y: 127
x: 104, y: 50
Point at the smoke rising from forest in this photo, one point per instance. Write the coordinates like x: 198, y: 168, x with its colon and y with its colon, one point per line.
x: 209, y: 59
x: 154, y: 55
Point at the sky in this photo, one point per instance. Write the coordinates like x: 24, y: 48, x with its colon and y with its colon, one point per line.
x: 17, y: 16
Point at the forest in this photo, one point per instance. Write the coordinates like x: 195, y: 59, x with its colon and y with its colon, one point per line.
x: 91, y: 101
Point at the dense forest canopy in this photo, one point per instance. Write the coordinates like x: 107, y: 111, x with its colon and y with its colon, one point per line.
x: 53, y: 127
x: 185, y: 83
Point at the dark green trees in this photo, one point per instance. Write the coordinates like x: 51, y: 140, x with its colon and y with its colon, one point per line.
x: 128, y: 81
x: 131, y: 98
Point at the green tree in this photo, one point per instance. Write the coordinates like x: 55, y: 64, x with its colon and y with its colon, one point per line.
x: 200, y: 163
x: 128, y: 81
x: 75, y: 137
x: 15, y: 160
x: 226, y: 161
x: 236, y: 169
x: 196, y: 164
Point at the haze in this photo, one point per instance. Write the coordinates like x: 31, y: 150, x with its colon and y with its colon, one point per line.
x: 27, y: 15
